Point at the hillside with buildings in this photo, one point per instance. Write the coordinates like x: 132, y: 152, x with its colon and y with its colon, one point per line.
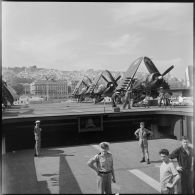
x: 27, y: 80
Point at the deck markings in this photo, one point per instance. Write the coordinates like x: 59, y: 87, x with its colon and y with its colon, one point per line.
x: 76, y: 110
x: 114, y: 185
x: 147, y: 179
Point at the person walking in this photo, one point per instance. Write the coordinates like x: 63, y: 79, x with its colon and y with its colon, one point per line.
x: 37, y: 133
x: 169, y: 175
x: 184, y: 156
x: 102, y: 163
x: 142, y: 134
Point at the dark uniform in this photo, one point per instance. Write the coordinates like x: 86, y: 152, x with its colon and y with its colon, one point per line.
x: 185, y: 161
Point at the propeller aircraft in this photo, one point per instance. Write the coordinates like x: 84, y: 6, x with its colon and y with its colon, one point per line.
x: 98, y: 93
x: 150, y: 86
x: 80, y: 94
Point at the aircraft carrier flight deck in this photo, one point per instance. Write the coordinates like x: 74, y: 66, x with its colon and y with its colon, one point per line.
x: 67, y: 144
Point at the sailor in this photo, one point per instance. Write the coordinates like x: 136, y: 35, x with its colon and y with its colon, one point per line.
x: 114, y: 97
x: 102, y: 163
x: 161, y: 96
x: 142, y: 133
x: 184, y: 156
x: 37, y: 133
x: 146, y: 101
x: 169, y: 176
x: 128, y: 99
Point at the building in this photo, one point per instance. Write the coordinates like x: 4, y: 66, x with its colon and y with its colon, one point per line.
x: 50, y: 89
x: 32, y: 88
x: 73, y: 85
x: 26, y: 88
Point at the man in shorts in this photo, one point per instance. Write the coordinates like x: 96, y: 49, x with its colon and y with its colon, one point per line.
x: 142, y: 133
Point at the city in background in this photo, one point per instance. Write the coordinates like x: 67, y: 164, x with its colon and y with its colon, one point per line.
x: 50, y: 84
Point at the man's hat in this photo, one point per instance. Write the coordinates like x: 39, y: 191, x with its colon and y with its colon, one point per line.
x: 38, y: 121
x: 104, y: 145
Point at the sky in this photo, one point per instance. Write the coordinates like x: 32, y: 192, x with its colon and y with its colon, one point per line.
x: 83, y: 35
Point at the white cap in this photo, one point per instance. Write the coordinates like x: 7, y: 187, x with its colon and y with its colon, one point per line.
x: 38, y: 121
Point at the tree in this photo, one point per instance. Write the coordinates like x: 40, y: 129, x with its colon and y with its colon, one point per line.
x: 18, y: 80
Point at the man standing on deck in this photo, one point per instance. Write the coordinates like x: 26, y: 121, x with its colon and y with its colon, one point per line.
x: 142, y: 133
x: 37, y: 133
x: 184, y: 156
x: 161, y: 96
x: 169, y: 175
x: 102, y: 163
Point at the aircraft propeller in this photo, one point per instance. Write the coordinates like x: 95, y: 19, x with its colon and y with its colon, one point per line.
x: 168, y: 70
x: 114, y: 81
x: 155, y: 75
x: 105, y: 78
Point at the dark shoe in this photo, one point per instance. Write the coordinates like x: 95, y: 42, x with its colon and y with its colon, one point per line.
x: 143, y: 160
x: 35, y: 155
x: 148, y: 161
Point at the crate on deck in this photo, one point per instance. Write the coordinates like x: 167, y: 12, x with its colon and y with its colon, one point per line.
x: 116, y: 109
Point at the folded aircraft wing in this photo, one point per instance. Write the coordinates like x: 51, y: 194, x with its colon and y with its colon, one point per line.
x: 93, y: 85
x: 9, y: 93
x: 76, y: 89
x: 129, y: 74
x: 90, y: 81
x: 150, y: 66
